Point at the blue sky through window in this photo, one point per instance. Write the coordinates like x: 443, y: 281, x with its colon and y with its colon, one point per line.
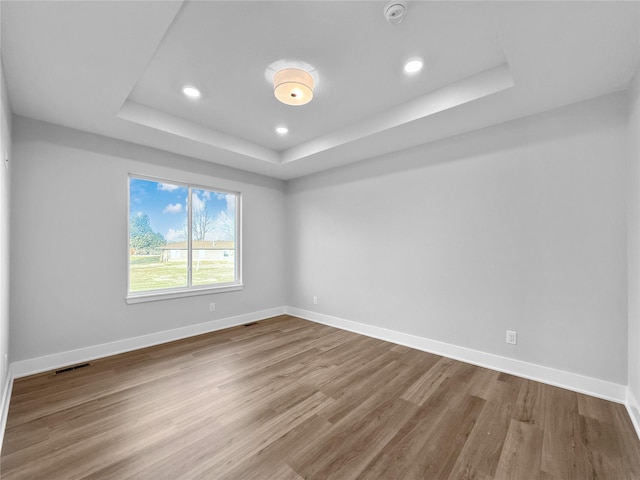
x: 166, y: 205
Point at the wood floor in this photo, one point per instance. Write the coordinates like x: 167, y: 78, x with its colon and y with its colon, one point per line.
x: 287, y: 399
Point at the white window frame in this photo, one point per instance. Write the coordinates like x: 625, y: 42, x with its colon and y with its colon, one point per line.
x: 189, y: 290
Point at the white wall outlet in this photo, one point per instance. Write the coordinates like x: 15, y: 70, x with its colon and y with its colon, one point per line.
x: 212, y: 307
x: 315, y: 300
x: 512, y: 337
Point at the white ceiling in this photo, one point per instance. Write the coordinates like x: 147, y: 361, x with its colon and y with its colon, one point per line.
x: 117, y: 68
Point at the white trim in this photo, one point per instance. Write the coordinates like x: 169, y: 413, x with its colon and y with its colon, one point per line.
x: 133, y: 298
x: 5, y: 401
x: 45, y: 363
x: 633, y: 407
x: 559, y: 378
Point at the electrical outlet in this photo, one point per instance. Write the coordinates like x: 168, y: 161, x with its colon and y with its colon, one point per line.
x: 512, y: 337
x: 212, y: 307
x: 315, y: 300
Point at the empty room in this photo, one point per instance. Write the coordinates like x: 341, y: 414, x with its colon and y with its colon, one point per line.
x: 286, y: 240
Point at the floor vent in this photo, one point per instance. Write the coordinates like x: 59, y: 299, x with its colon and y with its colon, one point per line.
x: 250, y: 324
x: 75, y: 367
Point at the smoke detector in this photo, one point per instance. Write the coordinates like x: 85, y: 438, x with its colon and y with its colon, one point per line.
x: 395, y: 11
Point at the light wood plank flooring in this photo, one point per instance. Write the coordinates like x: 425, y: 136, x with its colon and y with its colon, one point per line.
x: 287, y: 399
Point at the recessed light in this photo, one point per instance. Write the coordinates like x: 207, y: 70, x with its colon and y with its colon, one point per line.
x: 191, y: 91
x: 414, y: 65
x: 282, y: 130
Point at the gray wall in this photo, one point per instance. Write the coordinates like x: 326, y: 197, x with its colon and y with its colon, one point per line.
x: 5, y: 146
x: 634, y: 238
x: 520, y: 226
x: 69, y: 248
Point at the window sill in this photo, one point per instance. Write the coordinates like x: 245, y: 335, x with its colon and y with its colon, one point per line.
x: 157, y: 296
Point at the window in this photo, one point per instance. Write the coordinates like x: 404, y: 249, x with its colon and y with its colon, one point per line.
x: 183, y: 240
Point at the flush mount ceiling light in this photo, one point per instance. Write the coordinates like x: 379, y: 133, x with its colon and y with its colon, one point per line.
x: 414, y: 65
x: 293, y: 86
x: 282, y: 130
x: 191, y: 91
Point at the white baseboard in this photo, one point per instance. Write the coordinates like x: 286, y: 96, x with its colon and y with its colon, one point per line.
x: 4, y: 406
x: 558, y: 378
x: 45, y: 363
x: 633, y: 407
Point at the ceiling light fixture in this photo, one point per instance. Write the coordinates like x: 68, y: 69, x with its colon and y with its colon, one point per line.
x: 293, y: 86
x: 414, y: 65
x: 282, y: 130
x: 191, y: 91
